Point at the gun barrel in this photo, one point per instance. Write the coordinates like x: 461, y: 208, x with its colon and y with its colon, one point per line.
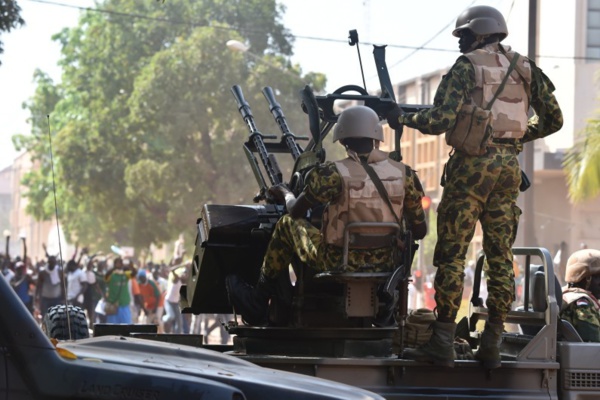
x: 277, y: 112
x: 268, y: 161
x: 244, y: 108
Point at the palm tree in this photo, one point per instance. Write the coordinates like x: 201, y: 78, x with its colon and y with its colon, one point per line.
x: 582, y: 163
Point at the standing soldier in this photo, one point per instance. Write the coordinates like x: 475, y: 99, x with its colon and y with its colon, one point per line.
x: 580, y: 297
x: 484, y: 186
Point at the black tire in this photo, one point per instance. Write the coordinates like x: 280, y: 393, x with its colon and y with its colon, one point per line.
x: 56, y: 326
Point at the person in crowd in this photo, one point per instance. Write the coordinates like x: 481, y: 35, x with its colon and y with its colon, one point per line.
x: 93, y: 292
x: 76, y: 284
x: 117, y: 285
x: 172, y: 319
x: 162, y: 283
x: 580, y: 296
x: 49, y: 288
x: 150, y: 296
x: 22, y: 282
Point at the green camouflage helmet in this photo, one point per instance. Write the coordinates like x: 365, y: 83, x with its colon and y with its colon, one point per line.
x: 358, y: 122
x: 482, y: 21
x: 582, y: 264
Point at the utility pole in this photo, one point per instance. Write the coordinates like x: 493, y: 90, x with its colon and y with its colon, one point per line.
x: 529, y: 238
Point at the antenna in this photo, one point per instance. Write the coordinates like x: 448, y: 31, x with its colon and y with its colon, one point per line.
x: 58, y: 230
x: 353, y: 40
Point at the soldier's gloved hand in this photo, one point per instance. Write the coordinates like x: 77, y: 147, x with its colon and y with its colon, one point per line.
x: 392, y: 117
x: 278, y: 193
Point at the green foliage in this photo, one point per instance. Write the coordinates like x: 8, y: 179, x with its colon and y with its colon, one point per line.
x: 10, y: 18
x: 582, y: 164
x: 144, y: 127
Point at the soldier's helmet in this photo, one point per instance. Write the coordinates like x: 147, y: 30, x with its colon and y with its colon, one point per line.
x: 582, y: 264
x: 482, y: 21
x: 358, y: 122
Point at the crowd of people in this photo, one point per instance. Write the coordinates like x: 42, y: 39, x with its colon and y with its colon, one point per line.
x: 144, y: 293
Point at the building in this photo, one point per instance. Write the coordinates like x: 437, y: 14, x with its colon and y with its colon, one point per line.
x: 5, y: 202
x: 23, y: 225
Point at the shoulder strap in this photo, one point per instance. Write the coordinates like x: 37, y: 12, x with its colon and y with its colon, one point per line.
x: 513, y: 62
x: 381, y: 189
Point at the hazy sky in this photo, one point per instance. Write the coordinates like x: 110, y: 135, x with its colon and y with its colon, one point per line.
x: 321, y: 28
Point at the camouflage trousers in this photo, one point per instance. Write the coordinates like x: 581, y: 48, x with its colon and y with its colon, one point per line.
x: 298, y: 238
x: 478, y: 188
x: 291, y: 236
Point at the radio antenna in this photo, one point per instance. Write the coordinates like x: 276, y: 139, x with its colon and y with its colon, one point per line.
x: 64, y: 283
x: 353, y: 40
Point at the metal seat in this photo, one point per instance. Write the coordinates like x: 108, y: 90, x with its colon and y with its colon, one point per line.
x: 361, y: 286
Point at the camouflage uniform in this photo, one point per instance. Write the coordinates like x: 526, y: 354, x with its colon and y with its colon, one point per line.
x: 297, y: 236
x: 582, y: 310
x: 483, y: 188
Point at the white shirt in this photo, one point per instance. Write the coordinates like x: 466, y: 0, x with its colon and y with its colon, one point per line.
x: 172, y: 295
x: 74, y: 281
x: 9, y: 275
x: 91, y: 277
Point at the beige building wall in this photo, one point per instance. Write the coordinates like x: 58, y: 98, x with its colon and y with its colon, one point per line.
x: 38, y: 233
x: 23, y: 225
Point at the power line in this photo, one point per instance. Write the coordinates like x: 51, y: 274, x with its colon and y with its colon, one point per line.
x: 319, y: 39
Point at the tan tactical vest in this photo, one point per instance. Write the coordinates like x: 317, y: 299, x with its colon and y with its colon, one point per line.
x: 571, y: 295
x: 360, y: 201
x: 511, y: 106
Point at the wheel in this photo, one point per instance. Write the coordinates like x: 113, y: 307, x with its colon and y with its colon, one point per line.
x: 56, y: 326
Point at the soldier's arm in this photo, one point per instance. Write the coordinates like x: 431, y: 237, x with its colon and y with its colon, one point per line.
x: 587, y: 322
x: 323, y: 185
x: 548, y: 114
x: 451, y: 94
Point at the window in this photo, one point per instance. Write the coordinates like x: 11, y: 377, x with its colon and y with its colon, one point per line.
x: 593, y: 30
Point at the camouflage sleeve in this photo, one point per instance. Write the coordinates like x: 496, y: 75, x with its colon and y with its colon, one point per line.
x: 450, y: 95
x: 587, y: 322
x: 413, y: 208
x: 585, y: 319
x: 323, y: 184
x: 545, y: 105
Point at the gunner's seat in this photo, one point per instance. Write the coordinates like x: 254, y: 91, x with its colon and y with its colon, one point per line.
x: 358, y: 297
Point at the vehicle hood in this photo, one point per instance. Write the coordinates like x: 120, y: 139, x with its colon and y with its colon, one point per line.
x: 253, y: 380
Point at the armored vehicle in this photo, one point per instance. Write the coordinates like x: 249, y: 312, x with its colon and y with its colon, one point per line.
x: 327, y: 324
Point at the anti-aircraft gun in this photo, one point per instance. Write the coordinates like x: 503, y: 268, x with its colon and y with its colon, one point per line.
x: 233, y: 238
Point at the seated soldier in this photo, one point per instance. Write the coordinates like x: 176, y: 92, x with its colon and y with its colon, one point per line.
x: 580, y: 297
x: 351, y: 196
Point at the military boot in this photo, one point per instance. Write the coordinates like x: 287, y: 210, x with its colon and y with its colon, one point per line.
x: 252, y: 303
x: 440, y: 348
x: 489, y: 346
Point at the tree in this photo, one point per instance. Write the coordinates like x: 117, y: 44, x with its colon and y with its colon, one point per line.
x: 10, y: 18
x: 582, y: 163
x: 145, y: 130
